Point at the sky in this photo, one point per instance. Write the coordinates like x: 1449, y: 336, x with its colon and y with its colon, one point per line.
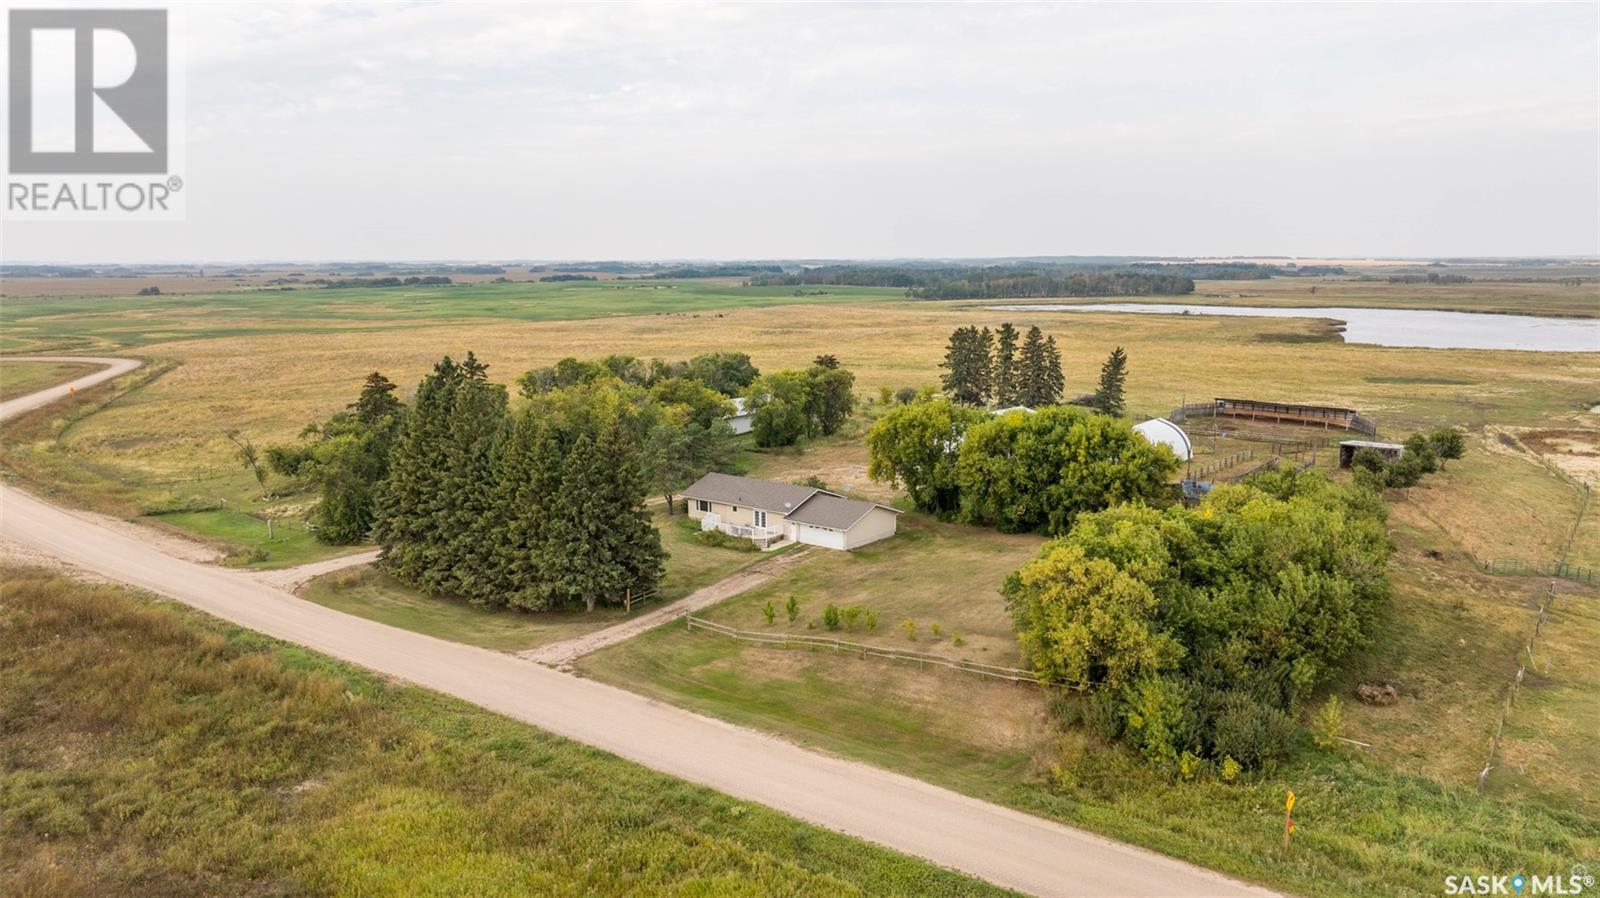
x: 760, y: 131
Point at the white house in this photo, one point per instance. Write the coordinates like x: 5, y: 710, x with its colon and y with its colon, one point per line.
x: 740, y: 419
x: 766, y: 512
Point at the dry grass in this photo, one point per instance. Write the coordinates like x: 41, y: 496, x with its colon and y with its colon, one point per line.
x: 170, y: 436
x: 150, y: 751
x: 22, y: 378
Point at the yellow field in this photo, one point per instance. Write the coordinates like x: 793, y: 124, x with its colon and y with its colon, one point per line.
x: 171, y: 433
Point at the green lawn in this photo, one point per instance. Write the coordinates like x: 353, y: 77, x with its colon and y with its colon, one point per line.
x: 22, y: 378
x: 370, y: 593
x: 149, y: 750
x: 244, y: 537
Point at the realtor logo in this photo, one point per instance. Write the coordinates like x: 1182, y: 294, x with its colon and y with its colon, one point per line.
x: 88, y: 91
x: 95, y: 123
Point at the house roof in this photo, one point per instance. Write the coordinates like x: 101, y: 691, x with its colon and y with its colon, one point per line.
x: 766, y: 495
x: 738, y: 407
x: 834, y: 512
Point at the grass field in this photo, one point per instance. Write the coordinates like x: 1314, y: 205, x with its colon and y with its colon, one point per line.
x: 166, y: 442
x: 84, y: 323
x: 151, y: 751
x: 22, y: 378
x: 370, y: 593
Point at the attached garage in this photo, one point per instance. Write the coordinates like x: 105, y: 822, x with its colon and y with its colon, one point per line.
x: 839, y: 523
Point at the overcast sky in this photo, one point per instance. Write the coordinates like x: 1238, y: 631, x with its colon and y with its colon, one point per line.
x: 435, y: 131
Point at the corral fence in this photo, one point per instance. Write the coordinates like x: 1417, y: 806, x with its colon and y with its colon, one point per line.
x: 1222, y: 464
x: 862, y: 650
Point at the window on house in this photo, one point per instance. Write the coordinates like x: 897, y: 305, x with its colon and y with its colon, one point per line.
x: 702, y: 505
x: 761, y: 519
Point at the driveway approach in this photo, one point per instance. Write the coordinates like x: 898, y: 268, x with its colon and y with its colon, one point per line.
x: 997, y: 844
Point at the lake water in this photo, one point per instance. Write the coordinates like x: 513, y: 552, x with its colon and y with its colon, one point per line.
x: 1393, y: 327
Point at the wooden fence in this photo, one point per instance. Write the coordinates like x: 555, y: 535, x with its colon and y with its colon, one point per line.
x: 845, y: 647
x: 1222, y: 464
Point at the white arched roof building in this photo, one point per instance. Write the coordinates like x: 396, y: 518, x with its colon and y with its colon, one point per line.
x: 1165, y: 433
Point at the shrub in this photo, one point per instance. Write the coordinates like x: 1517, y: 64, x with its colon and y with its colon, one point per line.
x: 938, y: 631
x: 906, y: 395
x: 910, y: 626
x: 1230, y: 770
x: 1447, y: 442
x: 1420, y: 447
x: 831, y: 618
x: 1328, y: 723
x: 769, y: 612
x: 1189, y: 765
x: 872, y: 619
x: 793, y: 609
x: 885, y: 394
x: 1249, y: 732
x: 958, y: 642
x: 852, y: 616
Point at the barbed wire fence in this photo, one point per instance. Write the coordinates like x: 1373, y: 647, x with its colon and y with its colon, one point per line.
x: 1525, y: 660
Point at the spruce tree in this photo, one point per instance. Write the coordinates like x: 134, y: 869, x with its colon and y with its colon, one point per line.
x: 629, y: 542
x: 1113, y: 374
x: 529, y: 476
x: 570, y: 554
x: 967, y: 363
x: 376, y: 401
x: 1005, y: 366
x: 1054, y: 383
x: 410, y: 497
x: 983, y: 366
x: 465, y: 565
x: 1032, y: 388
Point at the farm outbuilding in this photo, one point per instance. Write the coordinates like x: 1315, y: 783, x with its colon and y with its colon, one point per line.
x: 1162, y: 432
x: 741, y: 420
x: 1294, y: 413
x: 1349, y: 448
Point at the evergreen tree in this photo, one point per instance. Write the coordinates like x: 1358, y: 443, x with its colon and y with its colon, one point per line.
x: 569, y: 554
x: 629, y: 545
x: 983, y: 365
x: 966, y: 364
x: 1055, y: 384
x: 1005, y: 366
x: 1032, y: 386
x: 468, y: 517
x: 530, y: 473
x: 410, y: 498
x: 377, y: 400
x: 1113, y: 374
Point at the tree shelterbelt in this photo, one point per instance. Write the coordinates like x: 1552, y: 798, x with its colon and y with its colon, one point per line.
x: 533, y: 509
x: 981, y: 367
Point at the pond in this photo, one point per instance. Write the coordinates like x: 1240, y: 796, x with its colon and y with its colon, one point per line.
x: 1392, y: 327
